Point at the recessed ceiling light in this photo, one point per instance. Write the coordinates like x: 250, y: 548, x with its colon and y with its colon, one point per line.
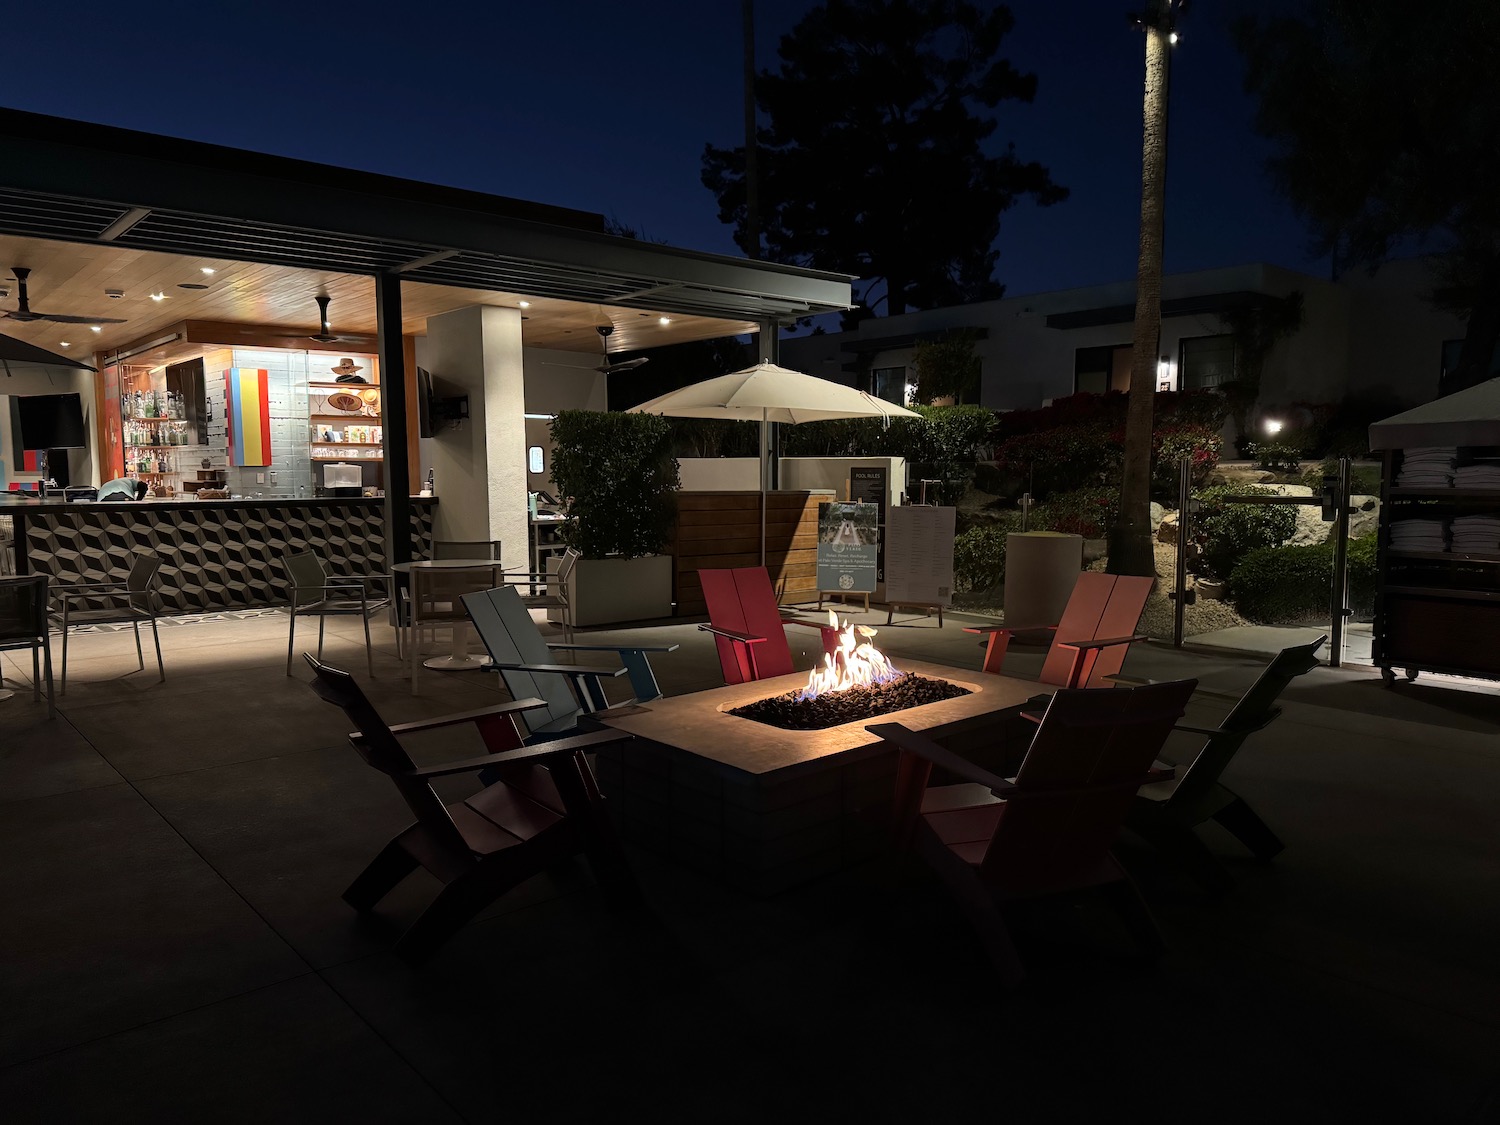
x: 114, y: 294
x: 158, y: 296
x: 64, y: 343
x: 191, y: 285
x: 208, y: 269
x: 524, y: 304
x: 95, y: 328
x: 665, y: 320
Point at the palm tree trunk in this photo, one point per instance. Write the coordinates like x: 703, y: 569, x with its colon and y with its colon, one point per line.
x: 1130, y: 550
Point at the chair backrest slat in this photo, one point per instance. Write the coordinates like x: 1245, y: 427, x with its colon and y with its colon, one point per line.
x: 511, y: 636
x: 1253, y: 711
x: 380, y: 749
x: 1121, y: 617
x: 1080, y: 622
x: 140, y: 583
x: 743, y: 601
x: 1086, y: 761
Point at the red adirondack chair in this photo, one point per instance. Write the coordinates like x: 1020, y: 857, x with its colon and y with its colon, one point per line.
x: 545, y: 807
x: 1049, y: 830
x: 1090, y: 642
x: 748, y: 627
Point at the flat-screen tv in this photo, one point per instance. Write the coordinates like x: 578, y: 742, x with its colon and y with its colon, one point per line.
x: 51, y: 421
x: 435, y: 408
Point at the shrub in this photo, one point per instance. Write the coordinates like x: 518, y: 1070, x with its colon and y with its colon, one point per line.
x: 1172, y: 443
x: 1364, y: 480
x: 1087, y: 511
x: 979, y: 556
x: 619, y: 476
x: 1063, y: 459
x: 1276, y: 455
x: 1286, y: 585
x: 1229, y: 531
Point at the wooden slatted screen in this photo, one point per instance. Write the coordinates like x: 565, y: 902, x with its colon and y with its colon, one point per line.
x: 718, y: 530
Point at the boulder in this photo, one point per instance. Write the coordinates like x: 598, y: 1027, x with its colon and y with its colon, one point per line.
x: 1166, y: 528
x: 1157, y: 511
x: 1232, y: 475
x: 1363, y: 521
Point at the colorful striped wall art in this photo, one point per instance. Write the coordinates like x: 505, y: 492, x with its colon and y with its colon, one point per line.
x: 247, y: 416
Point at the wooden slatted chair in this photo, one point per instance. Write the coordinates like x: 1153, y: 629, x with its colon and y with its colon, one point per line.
x: 544, y: 808
x: 1049, y: 830
x: 1168, y: 812
x: 748, y: 626
x: 526, y: 662
x: 1089, y: 644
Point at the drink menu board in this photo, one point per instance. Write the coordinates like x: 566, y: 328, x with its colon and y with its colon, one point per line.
x: 919, y: 555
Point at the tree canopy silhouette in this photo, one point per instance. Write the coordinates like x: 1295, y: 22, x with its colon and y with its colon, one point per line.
x: 1385, y: 116
x: 873, y: 158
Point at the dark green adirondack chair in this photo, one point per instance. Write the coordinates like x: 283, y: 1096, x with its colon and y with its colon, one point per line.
x: 1166, y: 813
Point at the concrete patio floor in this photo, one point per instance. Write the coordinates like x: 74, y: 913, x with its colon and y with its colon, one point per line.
x: 173, y: 946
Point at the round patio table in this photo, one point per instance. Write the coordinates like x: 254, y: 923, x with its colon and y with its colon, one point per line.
x: 421, y: 572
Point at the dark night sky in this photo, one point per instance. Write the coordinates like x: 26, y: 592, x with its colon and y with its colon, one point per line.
x: 607, y: 107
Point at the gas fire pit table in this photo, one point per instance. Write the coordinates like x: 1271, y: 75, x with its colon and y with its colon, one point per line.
x: 766, y: 808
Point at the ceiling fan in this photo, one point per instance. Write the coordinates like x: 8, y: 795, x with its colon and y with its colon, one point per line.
x: 25, y: 314
x: 324, y: 336
x: 607, y: 368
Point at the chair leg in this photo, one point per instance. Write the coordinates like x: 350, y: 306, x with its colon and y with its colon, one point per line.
x: 454, y: 906
x: 364, y: 616
x: 1183, y: 845
x: 1250, y: 830
x: 161, y: 669
x: 291, y: 635
x: 64, y: 689
x: 1126, y: 899
x: 140, y: 655
x: 322, y: 622
x: 47, y: 665
x: 393, y: 864
x: 36, y: 676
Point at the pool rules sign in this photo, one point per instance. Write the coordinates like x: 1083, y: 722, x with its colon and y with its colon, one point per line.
x: 919, y: 555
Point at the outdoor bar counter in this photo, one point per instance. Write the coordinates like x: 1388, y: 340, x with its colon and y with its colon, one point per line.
x: 216, y: 554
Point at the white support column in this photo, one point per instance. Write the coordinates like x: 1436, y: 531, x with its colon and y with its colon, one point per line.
x: 480, y: 465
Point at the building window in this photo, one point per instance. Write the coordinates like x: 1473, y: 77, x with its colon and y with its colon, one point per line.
x: 1205, y: 362
x: 889, y: 383
x: 1096, y: 370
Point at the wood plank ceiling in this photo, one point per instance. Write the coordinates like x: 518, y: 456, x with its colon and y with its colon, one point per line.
x: 74, y: 279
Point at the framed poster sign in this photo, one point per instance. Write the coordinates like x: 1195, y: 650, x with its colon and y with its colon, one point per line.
x: 848, y: 538
x: 919, y: 555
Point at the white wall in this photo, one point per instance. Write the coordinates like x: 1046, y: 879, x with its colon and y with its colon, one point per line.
x: 719, y: 474
x: 798, y: 474
x: 558, y: 381
x: 35, y: 379
x: 480, y: 464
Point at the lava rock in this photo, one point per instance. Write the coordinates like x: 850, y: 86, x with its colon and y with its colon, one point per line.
x: 834, y: 708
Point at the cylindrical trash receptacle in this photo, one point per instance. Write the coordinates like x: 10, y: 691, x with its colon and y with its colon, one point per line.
x: 1041, y: 569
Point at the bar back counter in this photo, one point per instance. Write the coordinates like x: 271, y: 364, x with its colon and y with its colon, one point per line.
x: 216, y: 554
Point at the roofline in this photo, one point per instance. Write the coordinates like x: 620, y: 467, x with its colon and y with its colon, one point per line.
x: 60, y: 188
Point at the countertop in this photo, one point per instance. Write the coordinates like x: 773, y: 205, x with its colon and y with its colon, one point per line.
x: 9, y: 503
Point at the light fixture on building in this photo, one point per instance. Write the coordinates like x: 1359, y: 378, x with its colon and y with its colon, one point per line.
x: 158, y: 296
x: 114, y: 294
x: 208, y: 270
x: 524, y: 304
x: 664, y: 320
x: 1164, y: 373
x: 64, y: 344
x: 1273, y: 426
x: 95, y: 328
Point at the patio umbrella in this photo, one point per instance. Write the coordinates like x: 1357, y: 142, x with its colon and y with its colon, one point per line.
x: 767, y: 393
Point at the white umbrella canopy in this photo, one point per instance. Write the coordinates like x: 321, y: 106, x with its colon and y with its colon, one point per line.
x: 768, y: 393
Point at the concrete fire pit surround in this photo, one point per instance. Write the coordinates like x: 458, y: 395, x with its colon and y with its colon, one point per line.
x: 767, y: 809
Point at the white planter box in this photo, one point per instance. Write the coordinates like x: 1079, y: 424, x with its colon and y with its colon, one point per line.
x: 606, y: 591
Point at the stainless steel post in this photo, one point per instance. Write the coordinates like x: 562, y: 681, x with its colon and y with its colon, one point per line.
x: 1184, y: 517
x: 1340, y: 595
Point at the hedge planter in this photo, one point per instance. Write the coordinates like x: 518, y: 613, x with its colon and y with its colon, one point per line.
x: 607, y: 591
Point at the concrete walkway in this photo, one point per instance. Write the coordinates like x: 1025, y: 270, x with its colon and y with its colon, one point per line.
x: 173, y: 946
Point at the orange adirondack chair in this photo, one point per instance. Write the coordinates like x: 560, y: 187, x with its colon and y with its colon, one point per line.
x: 748, y: 627
x: 545, y: 807
x: 1049, y: 830
x: 1090, y: 642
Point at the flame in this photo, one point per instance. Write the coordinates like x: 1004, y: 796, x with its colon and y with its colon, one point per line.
x: 857, y: 663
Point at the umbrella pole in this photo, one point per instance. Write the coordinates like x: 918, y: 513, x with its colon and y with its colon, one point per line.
x: 764, y: 434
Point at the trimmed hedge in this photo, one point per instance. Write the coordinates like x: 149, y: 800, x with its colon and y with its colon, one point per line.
x: 979, y: 556
x: 620, y: 479
x: 1231, y: 531
x: 1087, y: 511
x: 1287, y: 585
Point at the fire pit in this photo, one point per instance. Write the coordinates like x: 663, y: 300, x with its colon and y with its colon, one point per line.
x: 767, y: 808
x: 855, y: 684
